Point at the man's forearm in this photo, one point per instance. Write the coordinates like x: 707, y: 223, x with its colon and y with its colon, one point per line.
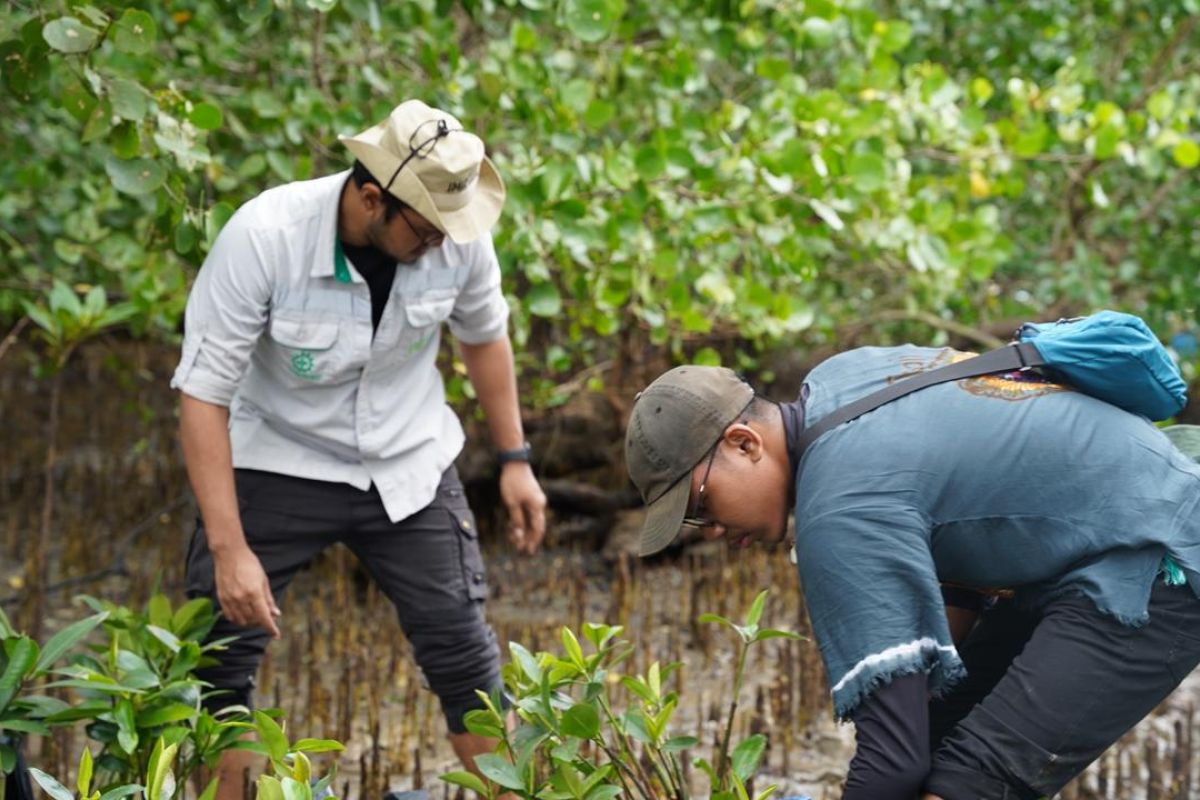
x: 204, y: 434
x: 490, y: 368
x: 891, y: 759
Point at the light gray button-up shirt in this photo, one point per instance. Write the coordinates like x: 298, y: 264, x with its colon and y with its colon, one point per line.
x: 281, y: 334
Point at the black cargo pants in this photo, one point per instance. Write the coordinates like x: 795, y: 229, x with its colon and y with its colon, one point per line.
x: 1047, y: 693
x: 428, y: 565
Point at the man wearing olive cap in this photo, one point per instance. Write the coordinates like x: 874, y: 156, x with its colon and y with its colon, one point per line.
x: 1086, y: 515
x: 312, y: 411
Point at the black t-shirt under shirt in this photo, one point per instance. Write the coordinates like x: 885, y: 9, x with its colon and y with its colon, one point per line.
x: 378, y: 270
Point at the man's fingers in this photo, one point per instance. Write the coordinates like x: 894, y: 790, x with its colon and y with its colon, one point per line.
x: 538, y: 526
x: 267, y: 609
x: 271, y: 605
x: 230, y: 609
x: 516, y: 526
x: 243, y: 613
x: 263, y: 618
x: 534, y: 526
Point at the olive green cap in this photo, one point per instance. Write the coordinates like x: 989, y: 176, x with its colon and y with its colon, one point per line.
x: 675, y: 422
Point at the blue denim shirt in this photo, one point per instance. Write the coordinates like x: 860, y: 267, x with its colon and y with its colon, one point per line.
x: 990, y: 482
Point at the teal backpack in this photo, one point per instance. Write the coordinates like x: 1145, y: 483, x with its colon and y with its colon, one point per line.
x: 1112, y: 356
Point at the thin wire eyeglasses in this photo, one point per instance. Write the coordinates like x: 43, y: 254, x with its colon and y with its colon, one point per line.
x: 698, y: 521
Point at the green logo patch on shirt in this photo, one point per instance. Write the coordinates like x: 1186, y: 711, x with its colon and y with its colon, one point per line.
x: 302, y: 365
x: 418, y: 345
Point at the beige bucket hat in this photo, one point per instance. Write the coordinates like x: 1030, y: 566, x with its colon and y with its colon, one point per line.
x: 424, y: 157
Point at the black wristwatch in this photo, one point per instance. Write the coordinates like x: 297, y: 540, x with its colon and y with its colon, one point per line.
x: 522, y: 453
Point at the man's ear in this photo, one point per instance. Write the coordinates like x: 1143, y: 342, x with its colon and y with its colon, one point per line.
x: 371, y: 196
x: 745, y: 439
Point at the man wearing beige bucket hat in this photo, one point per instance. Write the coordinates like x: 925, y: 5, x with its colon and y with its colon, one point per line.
x: 312, y: 410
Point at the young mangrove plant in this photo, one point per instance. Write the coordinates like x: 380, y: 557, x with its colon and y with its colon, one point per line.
x: 139, y: 689
x: 140, y: 700
x: 586, y: 732
x: 159, y: 780
x: 22, y: 664
x: 293, y: 776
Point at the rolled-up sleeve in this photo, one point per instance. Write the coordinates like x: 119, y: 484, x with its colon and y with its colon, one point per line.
x: 481, y: 313
x: 226, y: 313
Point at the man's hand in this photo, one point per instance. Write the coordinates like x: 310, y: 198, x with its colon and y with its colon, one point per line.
x: 526, y: 504
x: 961, y: 621
x: 244, y: 591
x: 490, y: 368
x: 242, y: 587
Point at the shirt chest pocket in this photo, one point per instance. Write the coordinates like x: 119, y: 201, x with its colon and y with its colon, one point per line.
x: 307, y: 349
x: 420, y: 323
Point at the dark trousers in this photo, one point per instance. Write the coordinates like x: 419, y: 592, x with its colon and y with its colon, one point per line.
x: 1047, y: 693
x: 428, y: 565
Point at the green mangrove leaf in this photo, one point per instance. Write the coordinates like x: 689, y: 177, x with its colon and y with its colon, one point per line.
x: 169, y: 640
x: 127, y: 790
x: 69, y: 35
x: 317, y: 746
x: 271, y: 735
x: 136, y: 33
x: 571, y: 645
x: 206, y: 116
x: 467, y: 780
x: 165, y: 715
x: 756, y: 608
x: 294, y: 789
x: 590, y: 20
x: 50, y: 785
x: 138, y: 176
x: 581, y: 720
x: 501, y: 770
x: 8, y: 759
x: 269, y: 788
x: 717, y: 618
x: 747, y: 755
x: 83, y: 778
x: 22, y: 658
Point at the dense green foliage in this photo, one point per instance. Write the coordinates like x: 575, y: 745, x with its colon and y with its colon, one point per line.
x: 139, y: 697
x: 696, y: 175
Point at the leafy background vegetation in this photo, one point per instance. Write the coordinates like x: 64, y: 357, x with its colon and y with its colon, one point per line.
x: 702, y: 179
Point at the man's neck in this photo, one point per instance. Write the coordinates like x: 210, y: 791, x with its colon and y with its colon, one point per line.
x: 352, y: 222
x: 789, y: 425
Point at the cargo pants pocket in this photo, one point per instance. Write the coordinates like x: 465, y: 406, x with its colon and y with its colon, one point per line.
x: 463, y: 522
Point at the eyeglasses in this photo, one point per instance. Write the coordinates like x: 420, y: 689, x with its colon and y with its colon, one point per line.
x: 698, y: 520
x: 427, y: 241
x: 423, y: 149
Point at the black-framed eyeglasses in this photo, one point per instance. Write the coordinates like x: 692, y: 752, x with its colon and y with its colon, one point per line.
x: 423, y: 149
x: 426, y: 241
x: 696, y: 520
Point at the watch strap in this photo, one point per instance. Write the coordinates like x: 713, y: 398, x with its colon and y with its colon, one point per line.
x: 522, y: 453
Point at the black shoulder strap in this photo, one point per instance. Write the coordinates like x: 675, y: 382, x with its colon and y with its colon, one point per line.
x: 1017, y: 355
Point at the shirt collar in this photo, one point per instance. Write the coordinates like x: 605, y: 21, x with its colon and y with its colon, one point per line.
x: 793, y: 428
x: 324, y: 259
